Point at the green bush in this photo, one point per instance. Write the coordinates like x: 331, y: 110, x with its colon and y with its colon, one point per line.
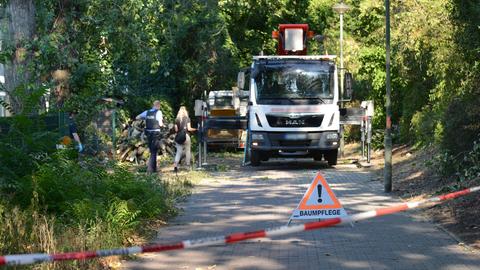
x: 464, y: 168
x: 378, y: 137
x: 445, y: 164
x: 23, y: 147
x: 78, y: 191
x: 56, y: 201
x: 460, y: 122
x: 471, y: 164
x: 422, y: 127
x: 73, y: 205
x: 352, y: 133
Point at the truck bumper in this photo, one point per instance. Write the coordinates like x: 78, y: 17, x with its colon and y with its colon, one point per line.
x: 295, y: 141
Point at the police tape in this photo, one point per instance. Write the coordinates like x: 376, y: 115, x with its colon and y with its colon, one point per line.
x: 23, y: 259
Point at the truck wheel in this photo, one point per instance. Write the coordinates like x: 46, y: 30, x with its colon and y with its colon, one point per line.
x: 255, y: 158
x: 317, y: 156
x: 265, y: 156
x: 331, y: 157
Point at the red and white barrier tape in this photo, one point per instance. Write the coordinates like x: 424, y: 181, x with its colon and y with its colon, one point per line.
x: 22, y: 259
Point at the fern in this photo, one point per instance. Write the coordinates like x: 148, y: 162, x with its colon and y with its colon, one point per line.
x: 120, y: 216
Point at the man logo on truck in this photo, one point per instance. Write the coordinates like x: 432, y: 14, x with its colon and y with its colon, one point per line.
x: 294, y: 122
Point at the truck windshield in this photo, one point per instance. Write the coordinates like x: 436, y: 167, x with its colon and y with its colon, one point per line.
x: 224, y: 101
x: 283, y: 83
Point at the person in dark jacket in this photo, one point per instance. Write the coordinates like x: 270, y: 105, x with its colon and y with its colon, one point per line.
x: 72, y: 130
x: 154, y: 121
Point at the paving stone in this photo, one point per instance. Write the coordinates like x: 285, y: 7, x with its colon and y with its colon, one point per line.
x: 256, y: 198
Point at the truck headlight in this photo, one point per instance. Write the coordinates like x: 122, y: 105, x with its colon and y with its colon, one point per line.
x: 332, y: 136
x: 257, y: 137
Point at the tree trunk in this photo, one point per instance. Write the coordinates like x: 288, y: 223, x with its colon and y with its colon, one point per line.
x: 21, y: 29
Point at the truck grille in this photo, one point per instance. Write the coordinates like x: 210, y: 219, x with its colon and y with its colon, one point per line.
x: 295, y: 143
x: 301, y: 121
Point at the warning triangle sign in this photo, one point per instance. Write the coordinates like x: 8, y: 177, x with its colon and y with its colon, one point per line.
x: 319, y: 202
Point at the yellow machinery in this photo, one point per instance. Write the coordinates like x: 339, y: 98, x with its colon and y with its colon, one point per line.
x: 222, y: 105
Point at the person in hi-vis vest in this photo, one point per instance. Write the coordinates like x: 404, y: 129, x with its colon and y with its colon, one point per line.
x: 154, y: 121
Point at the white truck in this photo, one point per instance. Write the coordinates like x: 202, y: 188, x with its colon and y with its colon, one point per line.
x: 294, y: 101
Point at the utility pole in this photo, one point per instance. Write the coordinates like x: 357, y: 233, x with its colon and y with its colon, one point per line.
x: 341, y: 8
x: 388, y: 128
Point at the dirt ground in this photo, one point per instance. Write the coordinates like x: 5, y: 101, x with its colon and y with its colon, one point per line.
x: 414, y: 180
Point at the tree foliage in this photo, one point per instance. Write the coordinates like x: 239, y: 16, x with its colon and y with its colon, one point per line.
x: 137, y: 50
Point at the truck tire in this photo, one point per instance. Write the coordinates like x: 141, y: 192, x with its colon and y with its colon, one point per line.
x: 331, y: 157
x: 255, y: 158
x: 317, y: 156
x: 265, y: 155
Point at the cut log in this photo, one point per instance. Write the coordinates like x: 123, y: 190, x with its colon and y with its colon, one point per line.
x: 133, y: 147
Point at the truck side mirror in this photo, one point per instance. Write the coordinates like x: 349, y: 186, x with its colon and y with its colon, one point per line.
x: 348, y: 85
x: 241, y: 80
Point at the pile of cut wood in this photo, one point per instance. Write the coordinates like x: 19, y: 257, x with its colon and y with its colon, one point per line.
x: 132, y: 145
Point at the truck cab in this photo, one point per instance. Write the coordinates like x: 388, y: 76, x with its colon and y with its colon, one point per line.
x: 294, y: 101
x: 294, y: 107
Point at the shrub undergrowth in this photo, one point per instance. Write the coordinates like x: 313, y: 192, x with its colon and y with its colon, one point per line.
x: 84, y: 206
x: 463, y: 167
x: 55, y: 201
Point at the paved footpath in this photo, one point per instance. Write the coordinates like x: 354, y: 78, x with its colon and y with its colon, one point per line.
x: 256, y: 198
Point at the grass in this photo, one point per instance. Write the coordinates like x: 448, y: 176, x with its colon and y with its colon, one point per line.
x: 194, y: 176
x: 87, y: 206
x: 227, y: 154
x: 222, y: 167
